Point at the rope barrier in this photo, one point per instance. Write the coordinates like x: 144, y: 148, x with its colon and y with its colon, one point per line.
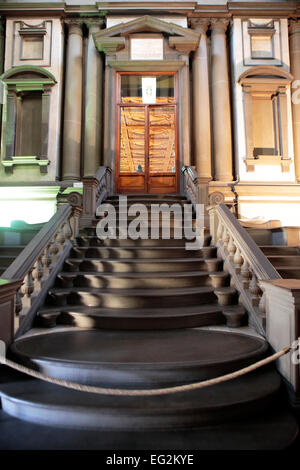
x: 147, y: 392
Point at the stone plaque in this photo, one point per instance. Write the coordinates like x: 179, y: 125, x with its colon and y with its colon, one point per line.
x: 146, y: 48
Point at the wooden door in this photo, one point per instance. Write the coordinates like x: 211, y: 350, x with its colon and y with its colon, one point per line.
x: 147, y: 141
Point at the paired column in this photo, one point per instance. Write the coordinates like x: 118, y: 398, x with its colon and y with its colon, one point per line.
x: 186, y: 110
x: 201, y: 103
x: 73, y: 103
x: 93, y: 106
x: 295, y: 70
x: 222, y: 141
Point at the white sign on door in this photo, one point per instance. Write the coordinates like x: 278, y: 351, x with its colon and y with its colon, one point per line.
x: 149, y: 90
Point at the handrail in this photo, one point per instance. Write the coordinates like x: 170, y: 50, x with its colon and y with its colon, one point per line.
x: 191, y: 184
x: 243, y: 259
x: 95, y: 189
x: 259, y: 262
x: 23, y: 262
x: 195, y: 187
x: 38, y: 264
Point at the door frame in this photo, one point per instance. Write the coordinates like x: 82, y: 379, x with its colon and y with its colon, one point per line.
x: 119, y: 105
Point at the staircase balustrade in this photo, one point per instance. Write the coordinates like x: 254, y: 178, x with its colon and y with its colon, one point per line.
x: 95, y: 190
x: 38, y: 264
x: 191, y: 186
x: 244, y: 261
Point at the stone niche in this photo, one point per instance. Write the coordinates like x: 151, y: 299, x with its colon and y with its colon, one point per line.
x: 26, y: 123
x: 262, y: 41
x: 32, y: 43
x: 266, y: 116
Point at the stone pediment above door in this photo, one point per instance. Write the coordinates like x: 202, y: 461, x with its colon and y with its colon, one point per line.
x: 113, y: 39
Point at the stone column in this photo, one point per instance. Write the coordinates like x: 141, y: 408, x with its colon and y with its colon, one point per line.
x: 295, y: 70
x: 93, y: 104
x: 2, y: 53
x: 186, y: 127
x: 73, y: 103
x: 222, y: 142
x: 201, y: 103
x: 10, y: 130
x: 45, y: 122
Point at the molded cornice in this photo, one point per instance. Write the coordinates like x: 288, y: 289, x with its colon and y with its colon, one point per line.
x: 191, y: 9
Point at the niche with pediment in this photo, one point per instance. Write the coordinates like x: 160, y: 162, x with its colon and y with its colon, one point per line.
x: 266, y: 116
x: 26, y: 120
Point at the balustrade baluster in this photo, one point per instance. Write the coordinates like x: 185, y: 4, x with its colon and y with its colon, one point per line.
x: 219, y: 230
x: 231, y: 248
x: 254, y: 289
x: 262, y: 304
x: 37, y: 275
x: 46, y: 260
x: 245, y: 272
x: 54, y: 248
x: 238, y: 260
x: 67, y: 230
x: 60, y: 237
x: 225, y: 237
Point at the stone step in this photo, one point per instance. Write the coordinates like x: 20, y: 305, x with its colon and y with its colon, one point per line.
x: 140, y: 280
x: 132, y: 319
x: 133, y: 252
x: 282, y: 261
x: 288, y: 272
x: 138, y: 359
x: 281, y: 250
x: 160, y: 232
x: 131, y: 298
x: 254, y: 433
x: 90, y: 240
x: 162, y: 204
x: 245, y: 398
x: 143, y: 265
x: 11, y: 250
x: 6, y: 260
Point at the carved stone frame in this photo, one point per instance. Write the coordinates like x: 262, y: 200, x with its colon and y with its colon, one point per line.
x: 270, y: 81
x: 17, y: 81
x: 115, y: 39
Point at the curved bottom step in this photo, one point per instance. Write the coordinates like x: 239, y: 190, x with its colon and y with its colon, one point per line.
x: 132, y: 319
x: 139, y: 358
x: 51, y: 405
x: 267, y: 432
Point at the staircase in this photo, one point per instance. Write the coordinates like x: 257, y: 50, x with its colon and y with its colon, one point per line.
x: 285, y: 259
x: 137, y: 315
x: 8, y: 254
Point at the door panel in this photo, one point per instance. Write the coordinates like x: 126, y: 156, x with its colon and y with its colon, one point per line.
x: 162, y: 140
x: 131, y: 183
x: 132, y: 140
x: 159, y: 184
